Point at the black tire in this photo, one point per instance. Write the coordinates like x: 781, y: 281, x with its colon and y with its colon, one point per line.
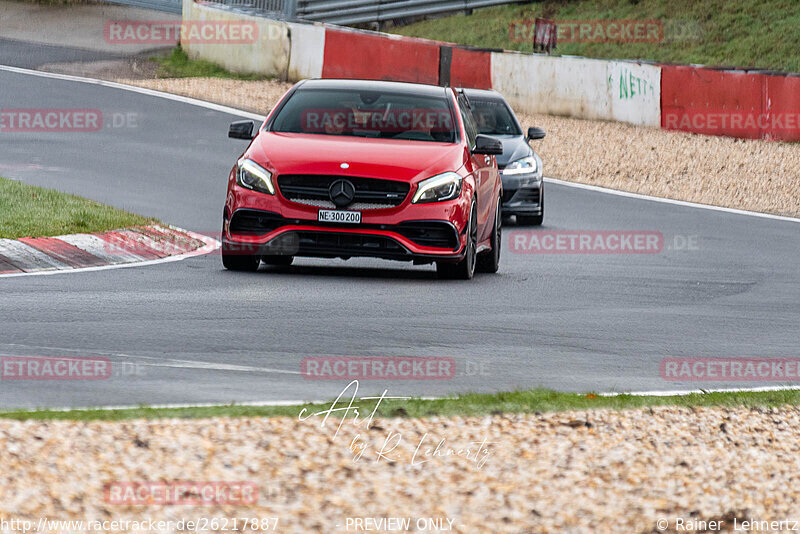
x: 465, y: 269
x: 489, y: 261
x: 532, y: 220
x: 235, y: 261
x: 283, y: 261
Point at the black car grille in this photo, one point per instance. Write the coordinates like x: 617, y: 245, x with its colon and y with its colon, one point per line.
x: 371, y: 193
x: 334, y: 244
x: 255, y: 221
x: 521, y: 195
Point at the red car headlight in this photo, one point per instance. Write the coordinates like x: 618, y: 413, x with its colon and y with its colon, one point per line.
x: 445, y: 186
x: 251, y: 175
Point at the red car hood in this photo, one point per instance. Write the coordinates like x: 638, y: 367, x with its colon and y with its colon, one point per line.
x: 289, y: 153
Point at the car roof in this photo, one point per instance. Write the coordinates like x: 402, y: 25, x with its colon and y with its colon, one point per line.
x: 484, y: 94
x: 381, y: 85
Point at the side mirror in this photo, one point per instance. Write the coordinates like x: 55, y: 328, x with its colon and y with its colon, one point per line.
x: 487, y: 145
x: 241, y: 130
x: 535, y: 133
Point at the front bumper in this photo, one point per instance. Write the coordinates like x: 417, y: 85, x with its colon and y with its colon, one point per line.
x: 251, y: 231
x: 522, y: 197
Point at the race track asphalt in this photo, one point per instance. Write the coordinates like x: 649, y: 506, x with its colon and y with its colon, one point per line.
x: 191, y: 332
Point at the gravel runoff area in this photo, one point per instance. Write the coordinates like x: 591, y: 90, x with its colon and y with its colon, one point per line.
x: 745, y: 174
x: 639, y: 471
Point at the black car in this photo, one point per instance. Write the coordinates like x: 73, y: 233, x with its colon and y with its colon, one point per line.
x: 521, y: 167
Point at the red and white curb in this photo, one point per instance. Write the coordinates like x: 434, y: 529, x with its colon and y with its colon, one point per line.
x: 145, y: 245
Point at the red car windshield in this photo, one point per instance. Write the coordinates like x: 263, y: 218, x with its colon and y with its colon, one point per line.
x: 372, y: 114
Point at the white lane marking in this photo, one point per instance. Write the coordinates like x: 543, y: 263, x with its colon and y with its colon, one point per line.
x: 685, y: 392
x: 676, y: 393
x: 188, y: 364
x: 159, y: 361
x: 141, y: 90
x: 684, y: 203
x: 189, y: 405
x: 28, y: 258
x: 210, y: 245
x: 169, y: 406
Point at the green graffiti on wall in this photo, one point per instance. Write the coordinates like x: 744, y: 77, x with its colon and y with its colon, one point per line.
x: 632, y: 86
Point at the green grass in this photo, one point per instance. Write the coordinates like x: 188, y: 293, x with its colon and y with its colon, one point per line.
x: 529, y: 401
x: 178, y: 65
x: 740, y: 33
x: 28, y: 211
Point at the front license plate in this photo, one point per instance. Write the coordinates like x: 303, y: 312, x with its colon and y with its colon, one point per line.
x: 338, y: 216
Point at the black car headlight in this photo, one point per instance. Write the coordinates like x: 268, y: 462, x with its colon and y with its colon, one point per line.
x: 527, y: 170
x: 251, y: 175
x: 445, y: 186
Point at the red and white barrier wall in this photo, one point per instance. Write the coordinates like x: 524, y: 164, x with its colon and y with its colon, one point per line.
x: 687, y: 98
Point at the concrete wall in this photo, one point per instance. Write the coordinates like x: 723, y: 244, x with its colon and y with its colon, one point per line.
x: 579, y: 87
x: 574, y: 87
x: 634, y: 93
x: 307, y: 51
x: 268, y: 54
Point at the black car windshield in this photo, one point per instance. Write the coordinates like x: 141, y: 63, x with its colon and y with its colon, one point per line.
x: 372, y: 113
x: 493, y: 117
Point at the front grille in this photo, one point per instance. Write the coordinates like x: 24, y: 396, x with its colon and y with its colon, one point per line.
x: 371, y: 193
x: 526, y: 195
x: 334, y: 244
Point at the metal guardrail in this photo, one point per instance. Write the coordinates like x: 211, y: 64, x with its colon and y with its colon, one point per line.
x: 168, y: 6
x: 354, y: 11
x: 359, y: 11
x: 278, y: 9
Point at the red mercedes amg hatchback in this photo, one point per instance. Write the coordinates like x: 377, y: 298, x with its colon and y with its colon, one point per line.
x: 345, y: 168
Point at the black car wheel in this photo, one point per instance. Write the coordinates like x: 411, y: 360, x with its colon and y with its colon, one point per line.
x: 465, y: 269
x: 236, y: 260
x: 489, y: 261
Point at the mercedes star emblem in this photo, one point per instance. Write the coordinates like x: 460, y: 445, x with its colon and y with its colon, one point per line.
x: 342, y: 193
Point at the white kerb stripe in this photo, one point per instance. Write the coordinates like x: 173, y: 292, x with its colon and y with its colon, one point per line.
x: 28, y: 258
x: 100, y: 248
